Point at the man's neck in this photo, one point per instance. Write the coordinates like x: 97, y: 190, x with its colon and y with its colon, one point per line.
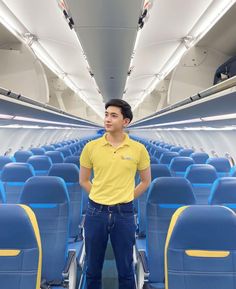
x: 115, y: 138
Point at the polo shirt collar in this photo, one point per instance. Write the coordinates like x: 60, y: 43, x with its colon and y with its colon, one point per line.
x: 125, y: 142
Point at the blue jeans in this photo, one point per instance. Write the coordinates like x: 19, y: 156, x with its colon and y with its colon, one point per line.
x: 118, y: 222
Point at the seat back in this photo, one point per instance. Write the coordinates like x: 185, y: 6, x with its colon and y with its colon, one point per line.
x: 70, y: 174
x: 48, y: 198
x: 222, y: 166
x: 38, y: 151
x: 223, y: 193
x: 48, y: 148
x: 65, y: 151
x: 55, y: 156
x: 201, y: 177
x: 153, y: 160
x: 3, y: 161
x: 41, y: 164
x: 22, y: 156
x: 186, y: 152
x: 199, y: 157
x: 73, y: 160
x: 157, y: 171
x: 165, y: 196
x: 200, y: 248
x: 179, y: 165
x: 166, y: 157
x: 176, y: 149
x: 20, y: 248
x: 14, y: 176
x: 159, y: 151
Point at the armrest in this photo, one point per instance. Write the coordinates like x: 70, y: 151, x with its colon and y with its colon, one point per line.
x: 70, y: 259
x: 144, y: 261
x: 81, y: 227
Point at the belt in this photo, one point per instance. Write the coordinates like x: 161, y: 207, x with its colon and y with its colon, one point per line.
x: 124, y: 206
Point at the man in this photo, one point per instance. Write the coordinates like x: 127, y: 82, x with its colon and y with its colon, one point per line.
x: 114, y: 158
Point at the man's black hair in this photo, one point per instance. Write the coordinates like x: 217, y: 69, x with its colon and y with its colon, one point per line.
x: 123, y: 105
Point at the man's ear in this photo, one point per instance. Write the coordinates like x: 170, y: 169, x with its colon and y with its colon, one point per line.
x: 126, y: 122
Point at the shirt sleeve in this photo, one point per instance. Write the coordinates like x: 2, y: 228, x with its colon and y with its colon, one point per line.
x: 144, y: 161
x: 85, y: 160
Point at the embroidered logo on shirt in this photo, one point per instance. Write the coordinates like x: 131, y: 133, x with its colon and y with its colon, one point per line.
x: 127, y: 158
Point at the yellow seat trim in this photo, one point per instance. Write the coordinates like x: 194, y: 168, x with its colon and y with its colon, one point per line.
x: 208, y: 254
x: 34, y: 223
x: 173, y: 221
x: 9, y: 253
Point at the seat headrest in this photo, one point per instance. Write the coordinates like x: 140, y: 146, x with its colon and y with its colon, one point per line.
x: 55, y: 156
x: 17, y: 172
x: 65, y: 151
x: 221, y: 164
x: 22, y: 156
x: 176, y: 149
x: 166, y: 157
x: 42, y: 162
x: 38, y: 151
x: 223, y: 191
x: 159, y: 151
x: 159, y: 170
x: 4, y: 160
x: 186, y: 152
x: 171, y: 190
x: 48, y: 148
x: 44, y: 190
x: 72, y: 159
x: 201, y: 173
x: 67, y: 171
x: 153, y: 160
x: 203, y: 228
x: 180, y: 164
x: 17, y: 231
x: 199, y: 157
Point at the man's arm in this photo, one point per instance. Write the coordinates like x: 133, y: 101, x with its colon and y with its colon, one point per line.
x: 84, y: 178
x: 145, y: 176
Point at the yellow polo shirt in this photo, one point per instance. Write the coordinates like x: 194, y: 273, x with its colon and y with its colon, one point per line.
x: 114, y: 169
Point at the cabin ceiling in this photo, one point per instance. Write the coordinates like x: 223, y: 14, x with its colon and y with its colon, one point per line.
x: 107, y: 30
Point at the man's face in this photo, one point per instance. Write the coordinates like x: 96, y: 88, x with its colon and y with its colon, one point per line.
x: 114, y: 120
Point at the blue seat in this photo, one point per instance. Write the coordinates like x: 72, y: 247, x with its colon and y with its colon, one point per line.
x: 222, y: 166
x: 3, y: 161
x: 159, y: 151
x: 201, y: 248
x: 20, y: 248
x: 73, y: 160
x: 201, y: 177
x: 22, y: 156
x: 179, y: 165
x: 157, y: 171
x: 48, y: 198
x: 48, y: 148
x: 70, y: 174
x: 166, y: 195
x: 176, y: 149
x: 55, y: 156
x: 41, y: 164
x: 223, y: 192
x: 65, y: 151
x: 166, y: 157
x: 14, y: 176
x: 199, y: 157
x: 2, y: 194
x: 38, y: 151
x: 153, y: 160
x: 186, y: 152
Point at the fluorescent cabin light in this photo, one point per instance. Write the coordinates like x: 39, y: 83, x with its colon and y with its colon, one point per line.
x: 219, y: 117
x: 6, y: 116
